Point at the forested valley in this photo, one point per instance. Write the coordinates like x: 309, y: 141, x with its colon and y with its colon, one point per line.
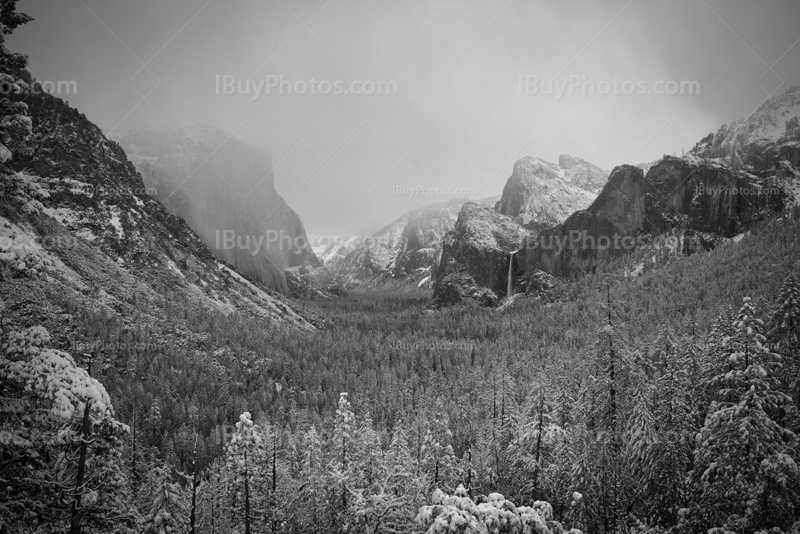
x: 638, y: 400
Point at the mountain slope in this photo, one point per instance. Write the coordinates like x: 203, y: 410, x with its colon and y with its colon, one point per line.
x: 759, y: 142
x: 224, y: 189
x: 78, y: 233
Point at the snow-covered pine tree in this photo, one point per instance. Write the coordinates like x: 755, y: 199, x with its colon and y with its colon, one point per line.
x: 282, y: 490
x: 458, y: 513
x: 368, y: 461
x: 213, y: 498
x: 314, y: 485
x: 57, y: 421
x: 641, y: 435
x: 168, y: 509
x: 195, y: 484
x: 15, y: 124
x: 722, y: 330
x: 669, y: 455
x: 691, y: 358
x: 438, y: 462
x: 744, y: 471
x: 246, y: 460
x: 784, y: 337
x: 390, y: 501
x: 602, y: 473
x: 341, y: 466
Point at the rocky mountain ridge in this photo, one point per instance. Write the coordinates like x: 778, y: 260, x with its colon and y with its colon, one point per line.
x: 759, y: 142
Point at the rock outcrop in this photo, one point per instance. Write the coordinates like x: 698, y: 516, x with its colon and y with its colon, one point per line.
x: 475, y: 256
x: 224, y: 189
x: 679, y: 196
x: 540, y: 193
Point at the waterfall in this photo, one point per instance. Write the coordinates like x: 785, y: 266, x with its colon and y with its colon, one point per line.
x: 510, y: 288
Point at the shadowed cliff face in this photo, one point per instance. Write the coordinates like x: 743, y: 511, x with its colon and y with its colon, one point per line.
x: 224, y: 189
x: 687, y: 196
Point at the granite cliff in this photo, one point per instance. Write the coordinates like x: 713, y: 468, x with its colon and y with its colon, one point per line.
x: 224, y: 189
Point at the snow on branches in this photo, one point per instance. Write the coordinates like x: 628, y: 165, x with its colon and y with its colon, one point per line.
x: 459, y: 513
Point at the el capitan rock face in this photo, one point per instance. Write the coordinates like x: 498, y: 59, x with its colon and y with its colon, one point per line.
x: 229, y: 200
x: 475, y: 256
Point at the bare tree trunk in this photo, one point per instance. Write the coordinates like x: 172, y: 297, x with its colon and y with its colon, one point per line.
x: 538, y: 443
x: 77, y: 514
x: 193, y: 515
x: 134, y: 467
x: 246, y: 497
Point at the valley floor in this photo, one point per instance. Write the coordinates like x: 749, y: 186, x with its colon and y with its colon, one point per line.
x: 628, y: 400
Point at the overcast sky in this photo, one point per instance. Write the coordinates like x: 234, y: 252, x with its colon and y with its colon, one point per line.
x: 459, y: 116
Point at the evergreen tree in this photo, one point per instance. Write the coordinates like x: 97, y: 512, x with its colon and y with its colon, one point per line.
x: 15, y: 78
x: 741, y: 449
x: 341, y: 465
x: 784, y: 336
x: 60, y: 444
x: 168, y: 508
x: 246, y: 460
x: 313, y: 489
